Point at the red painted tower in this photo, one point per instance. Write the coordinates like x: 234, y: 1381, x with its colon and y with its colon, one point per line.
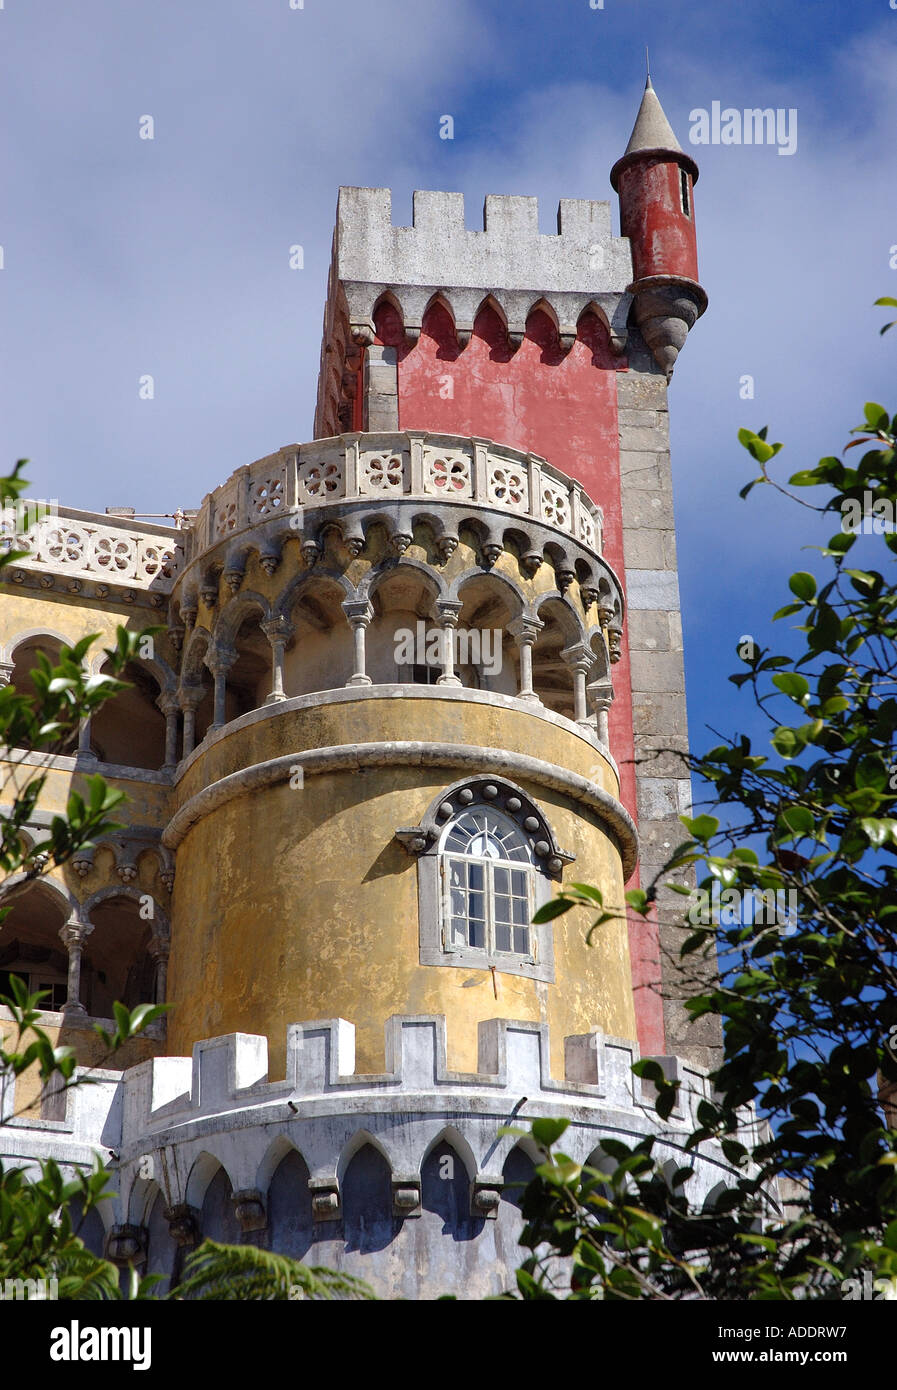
x: 655, y: 179
x: 561, y: 346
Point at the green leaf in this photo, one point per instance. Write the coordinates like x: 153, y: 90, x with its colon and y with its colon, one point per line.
x: 878, y: 831
x: 802, y: 584
x: 547, y: 1132
x: 555, y: 908
x: 790, y: 683
x: 876, y: 416
x: 786, y: 742
x: 799, y: 819
x: 701, y: 827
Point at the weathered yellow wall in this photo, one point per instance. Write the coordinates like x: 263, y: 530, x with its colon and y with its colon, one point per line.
x: 299, y: 904
x: 293, y: 905
x: 72, y: 618
x: 147, y: 803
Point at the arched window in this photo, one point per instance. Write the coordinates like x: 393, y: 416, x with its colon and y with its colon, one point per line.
x: 487, y: 860
x: 488, y: 877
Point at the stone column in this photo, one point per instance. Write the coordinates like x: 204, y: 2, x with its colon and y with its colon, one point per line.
x: 219, y: 661
x: 73, y: 935
x: 359, y: 612
x: 580, y: 660
x: 525, y: 631
x: 84, y: 748
x: 159, y: 948
x: 6, y: 670
x: 190, y: 697
x: 601, y: 694
x: 278, y: 633
x: 448, y: 612
x: 168, y: 704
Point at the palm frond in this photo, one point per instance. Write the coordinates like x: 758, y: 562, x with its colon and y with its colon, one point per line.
x: 243, y: 1272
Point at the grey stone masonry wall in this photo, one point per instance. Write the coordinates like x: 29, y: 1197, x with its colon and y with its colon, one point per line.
x: 660, y: 723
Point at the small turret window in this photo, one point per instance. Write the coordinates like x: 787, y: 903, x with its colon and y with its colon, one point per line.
x: 683, y: 188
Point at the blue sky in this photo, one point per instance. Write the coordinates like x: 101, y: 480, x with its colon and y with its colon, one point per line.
x: 171, y: 257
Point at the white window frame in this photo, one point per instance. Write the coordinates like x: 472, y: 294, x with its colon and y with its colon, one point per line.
x: 490, y: 952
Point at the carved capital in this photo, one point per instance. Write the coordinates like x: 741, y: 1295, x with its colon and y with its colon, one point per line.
x: 168, y: 702
x: 126, y: 1243
x: 249, y: 1208
x: 486, y: 1196
x: 220, y: 658
x: 415, y: 838
x: 448, y: 611
x: 277, y: 630
x: 358, y: 611
x: 183, y: 1224
x: 159, y: 947
x: 578, y: 657
x: 325, y: 1199
x: 525, y: 630
x: 406, y: 1195
x: 190, y: 696
x: 75, y: 933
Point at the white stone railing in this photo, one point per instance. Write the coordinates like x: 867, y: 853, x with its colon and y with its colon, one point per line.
x: 388, y: 467
x: 86, y: 545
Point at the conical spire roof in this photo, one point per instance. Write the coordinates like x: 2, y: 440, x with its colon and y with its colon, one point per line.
x: 652, y: 130
x: 652, y: 134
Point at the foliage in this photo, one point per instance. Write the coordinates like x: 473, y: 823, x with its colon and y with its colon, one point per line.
x: 807, y: 989
x: 241, y: 1272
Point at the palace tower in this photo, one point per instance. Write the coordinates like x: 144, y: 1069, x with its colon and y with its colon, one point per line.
x: 410, y: 682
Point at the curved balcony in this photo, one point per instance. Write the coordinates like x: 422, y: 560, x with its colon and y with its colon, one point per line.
x: 355, y: 481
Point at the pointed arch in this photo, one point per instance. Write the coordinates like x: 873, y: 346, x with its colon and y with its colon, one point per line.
x: 451, y: 1136
x: 203, y: 1171
x: 355, y: 1144
x: 388, y: 318
x: 280, y: 1148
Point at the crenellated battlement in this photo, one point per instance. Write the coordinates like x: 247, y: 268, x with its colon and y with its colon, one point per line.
x: 196, y: 1143
x: 225, y: 1083
x: 510, y: 253
x: 510, y: 266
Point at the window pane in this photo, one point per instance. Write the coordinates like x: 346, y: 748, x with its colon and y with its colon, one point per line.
x: 459, y: 931
x: 476, y: 906
x: 521, y: 911
x: 478, y: 935
x: 521, y: 940
x: 502, y: 937
x: 501, y: 877
x: 518, y: 882
x: 475, y: 877
x: 502, y: 909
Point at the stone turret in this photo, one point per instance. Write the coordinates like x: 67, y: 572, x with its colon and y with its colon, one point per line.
x: 655, y: 179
